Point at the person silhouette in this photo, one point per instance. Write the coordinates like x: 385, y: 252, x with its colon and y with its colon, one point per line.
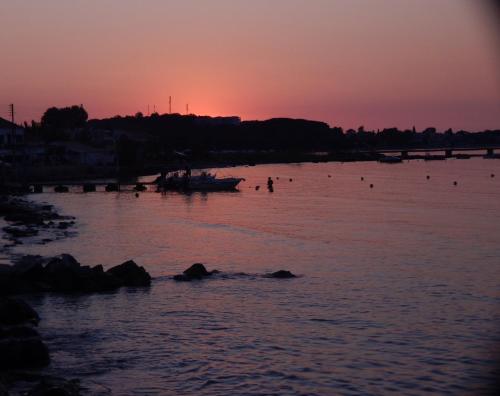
x: 270, y: 184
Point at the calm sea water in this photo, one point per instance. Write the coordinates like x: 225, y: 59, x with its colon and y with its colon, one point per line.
x: 399, y: 290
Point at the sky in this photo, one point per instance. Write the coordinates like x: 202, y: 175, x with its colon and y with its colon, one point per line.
x: 376, y: 63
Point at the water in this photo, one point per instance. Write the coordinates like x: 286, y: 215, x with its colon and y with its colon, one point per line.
x: 399, y: 290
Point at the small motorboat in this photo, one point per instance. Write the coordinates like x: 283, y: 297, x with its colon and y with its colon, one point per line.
x: 202, y: 182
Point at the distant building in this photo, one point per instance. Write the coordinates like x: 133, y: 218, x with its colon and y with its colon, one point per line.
x: 10, y: 133
x: 81, y: 154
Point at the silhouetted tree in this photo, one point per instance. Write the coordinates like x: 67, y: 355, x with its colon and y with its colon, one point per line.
x: 64, y: 118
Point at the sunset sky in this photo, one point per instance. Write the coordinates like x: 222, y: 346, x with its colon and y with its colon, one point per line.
x: 377, y: 63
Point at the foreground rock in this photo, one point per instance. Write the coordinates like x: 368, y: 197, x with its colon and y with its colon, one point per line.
x: 22, y: 350
x: 65, y: 274
x: 195, y: 272
x: 281, y: 274
x: 3, y: 389
x: 16, y: 312
x: 130, y: 274
x: 56, y: 387
x: 20, y: 344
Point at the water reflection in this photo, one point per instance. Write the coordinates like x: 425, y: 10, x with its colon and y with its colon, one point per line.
x: 400, y: 286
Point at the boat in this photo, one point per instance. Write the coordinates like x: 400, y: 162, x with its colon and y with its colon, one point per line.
x: 202, y: 182
x: 390, y: 159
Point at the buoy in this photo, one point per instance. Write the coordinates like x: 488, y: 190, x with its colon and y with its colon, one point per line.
x: 291, y: 179
x: 428, y: 177
x: 277, y: 177
x: 257, y: 188
x: 371, y: 185
x: 362, y: 178
x: 492, y: 175
x: 455, y: 183
x: 329, y: 175
x: 137, y: 195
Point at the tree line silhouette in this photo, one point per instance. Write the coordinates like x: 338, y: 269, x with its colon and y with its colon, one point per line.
x: 163, y: 133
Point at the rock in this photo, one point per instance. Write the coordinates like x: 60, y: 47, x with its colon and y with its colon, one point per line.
x: 63, y: 225
x: 3, y: 390
x: 63, y: 262
x: 196, y: 271
x: 56, y: 387
x: 5, y: 269
x: 30, y: 267
x: 27, y: 217
x: 18, y: 332
x: 282, y: 274
x: 20, y: 232
x: 100, y: 282
x: 16, y: 311
x: 23, y: 353
x: 130, y: 274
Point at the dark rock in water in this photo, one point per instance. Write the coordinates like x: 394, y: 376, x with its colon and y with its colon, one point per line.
x: 62, y: 273
x: 18, y: 332
x: 29, y: 267
x: 20, y: 344
x: 196, y: 271
x: 65, y: 274
x: 3, y: 390
x: 63, y: 261
x: 5, y: 269
x: 282, y: 274
x: 130, y: 274
x: 26, y: 217
x: 63, y: 225
x: 23, y: 353
x: 56, y: 387
x: 20, y: 232
x: 15, y: 311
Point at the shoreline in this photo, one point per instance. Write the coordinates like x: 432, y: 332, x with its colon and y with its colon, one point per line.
x: 226, y: 160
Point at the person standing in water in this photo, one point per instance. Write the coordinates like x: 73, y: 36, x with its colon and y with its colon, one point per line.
x: 270, y: 184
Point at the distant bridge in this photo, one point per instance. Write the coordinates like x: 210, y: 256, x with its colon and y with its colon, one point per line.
x: 448, y: 151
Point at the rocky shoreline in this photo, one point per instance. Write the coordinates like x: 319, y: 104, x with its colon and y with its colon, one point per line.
x: 23, y: 353
x: 21, y: 346
x: 22, y: 350
x: 27, y: 219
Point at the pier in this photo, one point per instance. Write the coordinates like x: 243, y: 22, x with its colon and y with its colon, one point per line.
x: 489, y: 151
x: 87, y: 186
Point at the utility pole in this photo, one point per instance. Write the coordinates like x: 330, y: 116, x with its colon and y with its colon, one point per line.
x: 12, y: 118
x: 169, y: 105
x: 187, y: 109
